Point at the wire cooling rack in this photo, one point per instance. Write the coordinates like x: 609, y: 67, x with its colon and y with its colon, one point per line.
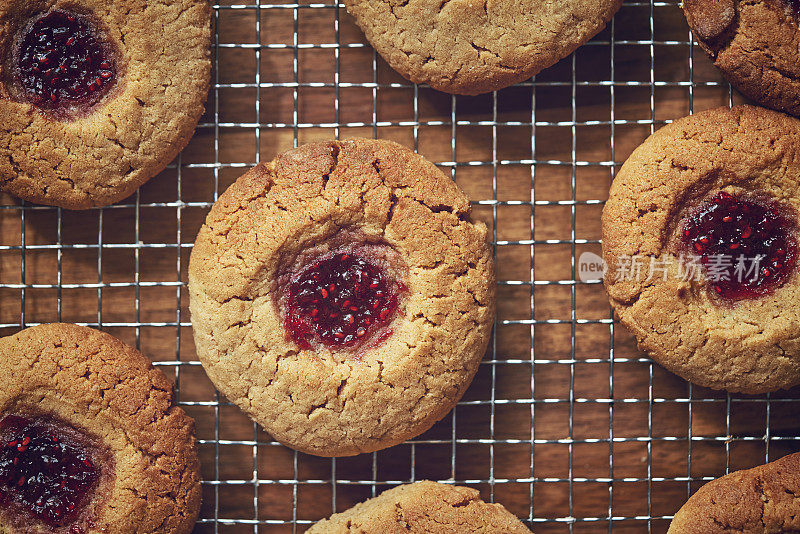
x: 566, y: 424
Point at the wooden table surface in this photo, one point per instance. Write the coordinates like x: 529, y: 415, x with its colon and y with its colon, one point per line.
x: 566, y: 423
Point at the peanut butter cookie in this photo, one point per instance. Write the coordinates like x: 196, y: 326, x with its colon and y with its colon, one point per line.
x: 762, y: 499
x: 89, y: 438
x: 754, y: 43
x: 467, y: 47
x: 97, y: 96
x: 700, y: 234
x: 341, y: 296
x: 425, y: 508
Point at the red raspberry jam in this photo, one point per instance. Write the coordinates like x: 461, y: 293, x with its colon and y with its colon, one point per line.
x: 750, y: 243
x: 340, y: 300
x: 43, y: 472
x: 63, y: 61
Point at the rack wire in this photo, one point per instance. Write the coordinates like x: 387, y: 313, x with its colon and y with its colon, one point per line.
x: 566, y: 424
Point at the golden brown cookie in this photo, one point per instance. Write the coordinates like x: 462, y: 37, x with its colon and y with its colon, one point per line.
x: 758, y: 500
x: 754, y: 43
x: 341, y: 296
x: 700, y: 237
x: 426, y: 508
x: 97, y: 96
x: 89, y: 438
x: 468, y: 47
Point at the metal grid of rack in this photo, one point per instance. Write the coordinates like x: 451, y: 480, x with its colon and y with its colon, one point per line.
x: 566, y: 423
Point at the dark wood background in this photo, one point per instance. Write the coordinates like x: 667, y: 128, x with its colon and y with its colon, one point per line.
x: 566, y: 424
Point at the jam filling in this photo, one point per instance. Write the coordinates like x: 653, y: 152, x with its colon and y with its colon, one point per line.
x: 63, y: 61
x: 44, y: 472
x: 340, y: 300
x: 747, y: 245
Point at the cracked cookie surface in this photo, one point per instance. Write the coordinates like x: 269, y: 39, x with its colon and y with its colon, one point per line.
x: 471, y: 47
x: 95, y: 386
x: 754, y: 43
x: 424, y: 507
x: 750, y: 345
x: 752, y: 501
x: 100, y: 155
x: 322, y: 399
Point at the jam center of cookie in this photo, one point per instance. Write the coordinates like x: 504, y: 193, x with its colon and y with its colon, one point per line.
x: 44, y: 472
x: 63, y: 61
x: 747, y: 246
x: 339, y: 301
